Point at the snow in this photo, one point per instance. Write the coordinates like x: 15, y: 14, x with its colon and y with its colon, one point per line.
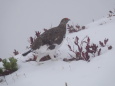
x: 100, y: 71
x: 20, y: 18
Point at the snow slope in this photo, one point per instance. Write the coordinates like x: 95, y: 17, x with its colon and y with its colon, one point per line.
x: 100, y: 71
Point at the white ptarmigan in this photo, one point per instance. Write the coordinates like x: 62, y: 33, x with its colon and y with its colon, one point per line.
x: 49, y: 41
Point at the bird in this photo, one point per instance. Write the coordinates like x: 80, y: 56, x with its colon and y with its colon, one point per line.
x: 49, y: 41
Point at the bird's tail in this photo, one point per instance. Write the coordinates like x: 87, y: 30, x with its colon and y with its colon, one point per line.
x: 26, y: 53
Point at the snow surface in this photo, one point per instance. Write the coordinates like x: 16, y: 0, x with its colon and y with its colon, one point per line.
x: 100, y: 71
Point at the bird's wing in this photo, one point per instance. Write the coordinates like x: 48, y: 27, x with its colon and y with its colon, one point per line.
x: 37, y: 43
x: 46, y: 38
x: 52, y: 36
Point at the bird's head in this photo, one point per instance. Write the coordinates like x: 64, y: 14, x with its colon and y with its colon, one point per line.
x: 64, y: 21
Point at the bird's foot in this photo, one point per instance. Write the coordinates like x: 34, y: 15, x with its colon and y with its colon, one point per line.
x: 53, y: 58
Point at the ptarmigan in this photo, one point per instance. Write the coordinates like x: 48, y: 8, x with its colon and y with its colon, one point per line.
x: 49, y: 41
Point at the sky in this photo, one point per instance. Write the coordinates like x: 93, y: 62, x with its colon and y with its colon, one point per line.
x: 19, y: 19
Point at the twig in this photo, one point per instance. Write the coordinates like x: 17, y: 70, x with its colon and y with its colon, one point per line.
x: 17, y: 75
x: 25, y: 75
x: 83, y: 41
x: 66, y: 84
x: 5, y: 80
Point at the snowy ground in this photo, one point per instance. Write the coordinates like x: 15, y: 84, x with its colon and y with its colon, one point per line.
x: 100, y: 71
